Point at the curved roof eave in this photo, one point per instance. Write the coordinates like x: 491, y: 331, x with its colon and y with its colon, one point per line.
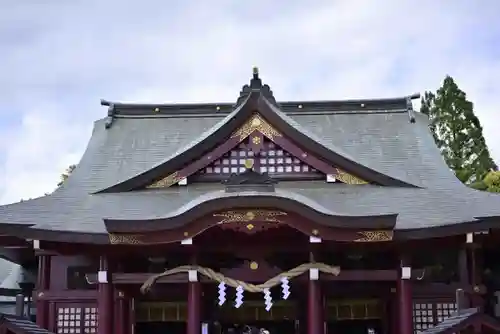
x: 103, y: 238
x: 459, y: 228
x: 282, y: 200
x: 254, y: 102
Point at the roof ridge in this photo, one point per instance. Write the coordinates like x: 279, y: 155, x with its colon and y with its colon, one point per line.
x: 256, y: 85
x: 289, y: 113
x: 387, y: 105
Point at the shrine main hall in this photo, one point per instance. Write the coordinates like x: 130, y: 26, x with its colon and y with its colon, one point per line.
x: 300, y: 217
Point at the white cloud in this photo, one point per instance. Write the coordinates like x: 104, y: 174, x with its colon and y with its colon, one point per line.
x: 69, y: 56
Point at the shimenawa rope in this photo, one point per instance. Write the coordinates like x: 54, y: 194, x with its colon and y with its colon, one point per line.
x: 210, y: 273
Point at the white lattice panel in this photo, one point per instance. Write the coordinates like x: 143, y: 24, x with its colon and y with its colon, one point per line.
x: 426, y: 315
x: 76, y: 320
x: 271, y: 159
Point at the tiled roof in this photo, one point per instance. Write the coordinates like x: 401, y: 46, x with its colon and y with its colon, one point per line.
x: 20, y: 325
x: 383, y: 140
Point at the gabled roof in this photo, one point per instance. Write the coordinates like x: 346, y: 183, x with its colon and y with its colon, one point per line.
x: 375, y: 134
x: 255, y: 98
x: 20, y: 325
x: 382, y: 140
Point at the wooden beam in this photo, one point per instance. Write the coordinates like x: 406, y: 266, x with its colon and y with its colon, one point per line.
x: 64, y: 295
x: 8, y: 241
x: 345, y: 275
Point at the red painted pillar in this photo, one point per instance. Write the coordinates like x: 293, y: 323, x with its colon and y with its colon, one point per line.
x: 42, y: 306
x: 105, y: 299
x: 314, y: 308
x: 122, y: 314
x: 404, y: 299
x: 194, y: 308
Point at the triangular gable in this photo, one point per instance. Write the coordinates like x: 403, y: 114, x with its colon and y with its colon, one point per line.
x: 268, y: 149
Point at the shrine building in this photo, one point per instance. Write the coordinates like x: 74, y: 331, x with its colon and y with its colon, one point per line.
x: 308, y: 217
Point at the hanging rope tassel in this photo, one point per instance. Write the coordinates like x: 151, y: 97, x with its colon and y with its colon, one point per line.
x: 285, y: 287
x: 222, y: 293
x: 239, y: 296
x: 268, y: 300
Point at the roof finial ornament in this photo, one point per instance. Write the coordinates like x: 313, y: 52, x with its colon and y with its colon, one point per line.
x: 255, y: 71
x: 256, y: 83
x: 256, y: 86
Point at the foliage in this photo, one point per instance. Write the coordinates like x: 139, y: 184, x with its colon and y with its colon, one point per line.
x: 492, y: 181
x: 66, y: 174
x: 458, y: 133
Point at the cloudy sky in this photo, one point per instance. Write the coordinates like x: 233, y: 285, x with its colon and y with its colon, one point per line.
x: 58, y: 59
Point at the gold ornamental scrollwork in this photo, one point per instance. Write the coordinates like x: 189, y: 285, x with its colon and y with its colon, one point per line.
x: 249, y: 216
x: 256, y: 123
x: 124, y: 239
x: 347, y: 178
x: 167, y: 181
x: 374, y: 236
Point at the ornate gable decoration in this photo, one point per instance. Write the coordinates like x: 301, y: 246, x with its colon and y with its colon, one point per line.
x: 259, y: 124
x: 347, y: 178
x: 258, y: 141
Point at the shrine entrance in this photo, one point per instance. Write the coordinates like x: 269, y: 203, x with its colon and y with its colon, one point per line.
x: 355, y: 316
x: 162, y: 317
x: 281, y: 318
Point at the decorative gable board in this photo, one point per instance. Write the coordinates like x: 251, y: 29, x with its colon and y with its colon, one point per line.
x: 264, y: 145
x: 271, y: 159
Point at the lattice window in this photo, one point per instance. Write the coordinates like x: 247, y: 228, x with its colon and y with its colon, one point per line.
x: 426, y: 315
x: 445, y: 310
x: 271, y: 159
x: 76, y: 320
x: 423, y: 316
x: 231, y: 162
x: 274, y: 160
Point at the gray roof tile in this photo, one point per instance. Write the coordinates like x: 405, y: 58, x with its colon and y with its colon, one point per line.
x: 417, y: 207
x: 384, y: 141
x: 18, y: 324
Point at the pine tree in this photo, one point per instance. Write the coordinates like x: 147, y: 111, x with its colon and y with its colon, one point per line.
x: 458, y: 132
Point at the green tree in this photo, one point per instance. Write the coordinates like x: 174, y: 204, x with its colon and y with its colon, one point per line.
x: 458, y: 132
x: 492, y: 182
x: 66, y: 174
